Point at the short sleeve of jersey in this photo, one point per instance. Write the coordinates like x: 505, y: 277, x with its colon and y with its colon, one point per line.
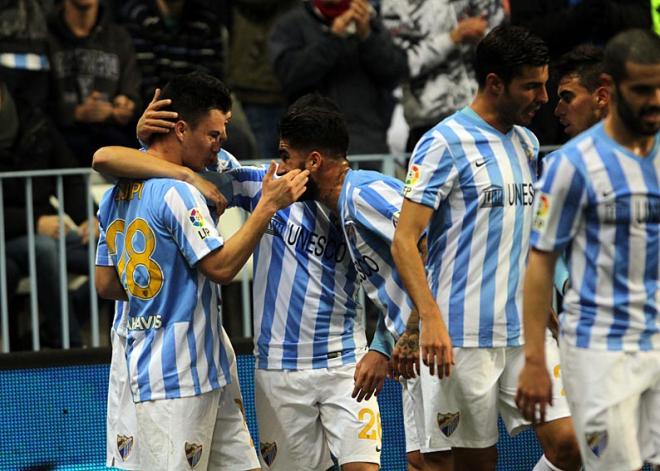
x: 432, y: 172
x: 187, y: 217
x: 102, y: 257
x: 246, y: 186
x: 377, y: 208
x: 560, y: 197
x: 226, y: 162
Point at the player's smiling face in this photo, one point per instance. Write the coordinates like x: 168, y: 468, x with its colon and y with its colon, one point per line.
x: 202, y: 142
x: 524, y: 95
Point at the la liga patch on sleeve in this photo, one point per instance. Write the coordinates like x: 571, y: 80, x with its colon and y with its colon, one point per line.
x: 542, y: 212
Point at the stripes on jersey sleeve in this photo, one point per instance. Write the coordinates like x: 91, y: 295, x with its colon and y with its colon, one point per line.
x: 190, y: 223
x: 247, y: 182
x: 432, y: 171
x: 560, y: 199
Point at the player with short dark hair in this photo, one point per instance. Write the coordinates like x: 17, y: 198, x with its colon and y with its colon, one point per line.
x: 583, y: 98
x: 470, y: 185
x: 160, y: 251
x: 599, y: 201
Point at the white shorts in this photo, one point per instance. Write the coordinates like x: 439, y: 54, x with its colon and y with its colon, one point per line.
x: 461, y: 411
x: 305, y: 415
x: 615, y: 401
x: 121, y: 419
x: 413, y: 416
x: 231, y: 446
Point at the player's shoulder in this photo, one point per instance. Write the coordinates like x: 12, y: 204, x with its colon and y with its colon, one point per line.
x: 580, y: 147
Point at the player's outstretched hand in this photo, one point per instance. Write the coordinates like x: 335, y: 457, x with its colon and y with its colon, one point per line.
x: 405, y: 356
x: 534, y: 391
x: 435, y: 346
x: 285, y: 189
x: 370, y: 373
x: 154, y: 120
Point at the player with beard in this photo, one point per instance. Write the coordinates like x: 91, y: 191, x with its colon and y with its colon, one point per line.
x: 310, y: 344
x: 599, y: 200
x: 469, y: 185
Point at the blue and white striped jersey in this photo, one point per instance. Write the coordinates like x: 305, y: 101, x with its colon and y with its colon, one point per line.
x: 305, y: 286
x: 369, y: 207
x: 226, y: 161
x: 601, y: 203
x: 480, y: 183
x: 155, y: 232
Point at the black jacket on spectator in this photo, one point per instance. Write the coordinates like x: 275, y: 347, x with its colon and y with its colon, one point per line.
x: 358, y: 75
x: 37, y: 146
x: 103, y: 61
x: 169, y: 47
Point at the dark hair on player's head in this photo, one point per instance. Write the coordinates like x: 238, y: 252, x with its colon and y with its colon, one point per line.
x: 506, y: 50
x: 314, y: 122
x: 193, y: 95
x: 584, y: 61
x: 634, y: 45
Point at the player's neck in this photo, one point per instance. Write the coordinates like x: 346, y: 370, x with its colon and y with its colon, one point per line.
x: 331, y: 185
x: 639, y: 145
x: 162, y: 151
x: 487, y: 110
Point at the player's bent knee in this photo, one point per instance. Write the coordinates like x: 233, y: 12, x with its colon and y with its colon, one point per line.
x: 361, y: 466
x: 415, y: 461
x: 562, y: 450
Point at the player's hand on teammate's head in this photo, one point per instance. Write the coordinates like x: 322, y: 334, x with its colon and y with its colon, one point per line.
x: 155, y: 119
x: 370, y: 374
x: 284, y: 190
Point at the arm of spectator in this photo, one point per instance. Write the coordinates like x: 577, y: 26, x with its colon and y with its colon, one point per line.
x: 300, y: 64
x: 108, y: 285
x: 223, y: 264
x: 155, y: 119
x: 124, y: 162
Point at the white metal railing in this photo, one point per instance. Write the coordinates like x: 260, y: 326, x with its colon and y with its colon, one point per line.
x: 389, y: 164
x: 28, y: 176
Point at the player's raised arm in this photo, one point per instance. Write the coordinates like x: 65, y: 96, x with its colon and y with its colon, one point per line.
x: 124, y: 162
x: 222, y: 265
x: 435, y: 343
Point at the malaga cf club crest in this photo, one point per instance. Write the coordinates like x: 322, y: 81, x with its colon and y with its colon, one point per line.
x: 193, y: 453
x: 268, y: 452
x: 448, y: 422
x: 124, y: 446
x: 597, y: 441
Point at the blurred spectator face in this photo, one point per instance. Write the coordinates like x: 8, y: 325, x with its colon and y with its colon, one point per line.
x: 202, y: 143
x: 332, y: 8
x: 578, y: 109
x: 638, y: 98
x: 523, y: 95
x: 83, y: 4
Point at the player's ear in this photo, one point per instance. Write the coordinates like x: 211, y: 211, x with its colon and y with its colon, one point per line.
x: 180, y: 128
x: 314, y: 160
x: 494, y: 84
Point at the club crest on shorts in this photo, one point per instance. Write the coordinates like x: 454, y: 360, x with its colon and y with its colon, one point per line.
x: 268, y: 452
x: 124, y: 446
x: 193, y: 453
x: 597, y: 441
x: 448, y: 422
